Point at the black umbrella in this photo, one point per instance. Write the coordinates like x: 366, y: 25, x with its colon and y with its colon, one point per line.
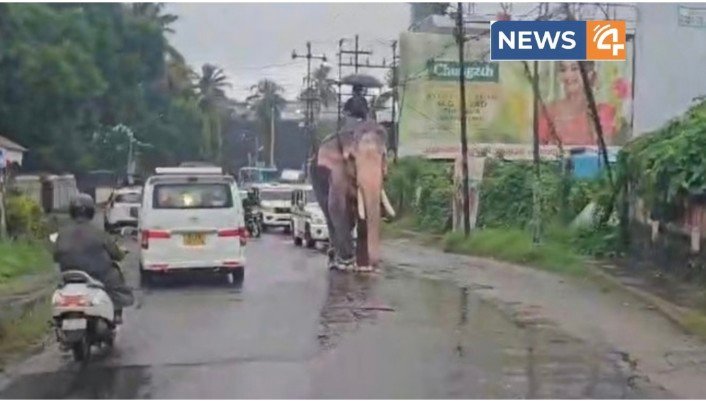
x: 364, y: 80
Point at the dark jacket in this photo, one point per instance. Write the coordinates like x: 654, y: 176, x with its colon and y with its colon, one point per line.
x: 357, y: 106
x: 82, y: 246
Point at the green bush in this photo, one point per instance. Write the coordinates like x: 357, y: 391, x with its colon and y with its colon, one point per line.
x: 506, y: 193
x: 423, y: 189
x: 25, y: 218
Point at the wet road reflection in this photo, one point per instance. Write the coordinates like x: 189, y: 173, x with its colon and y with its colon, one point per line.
x: 297, y: 330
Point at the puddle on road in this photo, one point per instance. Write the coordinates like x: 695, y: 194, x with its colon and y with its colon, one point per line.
x: 92, y: 383
x: 479, y: 350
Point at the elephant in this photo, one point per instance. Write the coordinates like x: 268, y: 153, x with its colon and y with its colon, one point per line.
x: 347, y: 173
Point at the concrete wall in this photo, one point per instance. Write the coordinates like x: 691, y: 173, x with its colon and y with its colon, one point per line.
x: 670, y: 66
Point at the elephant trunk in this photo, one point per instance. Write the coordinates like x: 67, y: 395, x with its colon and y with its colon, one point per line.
x: 371, y: 204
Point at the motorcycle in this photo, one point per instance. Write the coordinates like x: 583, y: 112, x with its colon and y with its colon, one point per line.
x: 253, y: 223
x: 83, y: 314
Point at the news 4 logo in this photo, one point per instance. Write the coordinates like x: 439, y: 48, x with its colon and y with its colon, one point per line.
x: 557, y: 40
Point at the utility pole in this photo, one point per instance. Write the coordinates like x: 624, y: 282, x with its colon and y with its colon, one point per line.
x: 395, y: 76
x: 309, y: 98
x: 3, y: 190
x: 536, y: 206
x: 272, y: 135
x: 340, y: 72
x: 357, y: 52
x: 460, y: 38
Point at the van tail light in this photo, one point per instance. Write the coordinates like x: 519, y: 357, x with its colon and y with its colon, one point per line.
x: 241, y: 233
x: 153, y: 234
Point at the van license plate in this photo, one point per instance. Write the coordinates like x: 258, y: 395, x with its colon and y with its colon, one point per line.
x: 194, y: 239
x: 74, y: 324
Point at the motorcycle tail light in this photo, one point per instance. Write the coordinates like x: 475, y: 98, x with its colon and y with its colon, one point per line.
x: 68, y: 301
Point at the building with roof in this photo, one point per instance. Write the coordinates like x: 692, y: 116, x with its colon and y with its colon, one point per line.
x: 10, y: 152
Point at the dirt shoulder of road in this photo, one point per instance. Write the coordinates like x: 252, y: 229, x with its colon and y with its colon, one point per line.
x: 595, y: 308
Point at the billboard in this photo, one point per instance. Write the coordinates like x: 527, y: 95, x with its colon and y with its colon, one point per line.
x: 499, y: 100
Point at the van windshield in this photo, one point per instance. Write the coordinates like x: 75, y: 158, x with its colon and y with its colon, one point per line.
x: 192, y: 196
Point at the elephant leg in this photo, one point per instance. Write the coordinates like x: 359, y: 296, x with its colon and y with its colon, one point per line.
x: 320, y: 181
x: 339, y: 211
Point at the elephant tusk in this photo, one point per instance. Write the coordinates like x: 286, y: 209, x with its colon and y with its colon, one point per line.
x: 361, y: 205
x: 387, y: 205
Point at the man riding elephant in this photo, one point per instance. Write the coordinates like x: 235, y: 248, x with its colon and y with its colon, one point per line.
x: 357, y: 106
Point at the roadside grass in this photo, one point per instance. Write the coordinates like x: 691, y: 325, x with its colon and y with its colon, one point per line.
x: 19, y: 258
x: 398, y: 228
x: 695, y: 322
x: 553, y: 254
x: 25, y: 332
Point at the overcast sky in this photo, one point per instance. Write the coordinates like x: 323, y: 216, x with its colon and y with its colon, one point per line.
x: 255, y: 41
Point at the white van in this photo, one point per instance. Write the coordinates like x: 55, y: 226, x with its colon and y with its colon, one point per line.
x: 191, y: 219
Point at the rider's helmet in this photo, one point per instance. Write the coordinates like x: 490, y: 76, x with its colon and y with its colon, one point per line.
x: 82, y: 207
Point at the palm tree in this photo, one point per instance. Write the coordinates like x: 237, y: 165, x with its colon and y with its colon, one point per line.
x: 323, y: 87
x: 212, y: 101
x: 268, y: 103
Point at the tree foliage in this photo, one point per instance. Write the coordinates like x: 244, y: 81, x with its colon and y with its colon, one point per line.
x: 667, y: 167
x: 72, y: 70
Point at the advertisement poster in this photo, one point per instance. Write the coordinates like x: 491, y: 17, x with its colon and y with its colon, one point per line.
x: 475, y: 176
x: 499, y: 100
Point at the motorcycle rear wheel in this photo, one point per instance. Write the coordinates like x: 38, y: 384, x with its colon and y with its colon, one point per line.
x: 81, y: 350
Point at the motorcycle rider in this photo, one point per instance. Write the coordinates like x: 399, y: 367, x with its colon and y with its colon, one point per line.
x: 250, y: 204
x: 82, y: 246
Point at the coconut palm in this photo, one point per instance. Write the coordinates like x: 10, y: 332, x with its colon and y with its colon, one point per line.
x: 267, y: 102
x: 322, y: 92
x: 212, y: 101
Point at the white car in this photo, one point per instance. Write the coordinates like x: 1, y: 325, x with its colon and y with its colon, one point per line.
x: 308, y: 221
x: 117, y: 213
x: 192, y: 219
x: 276, y: 205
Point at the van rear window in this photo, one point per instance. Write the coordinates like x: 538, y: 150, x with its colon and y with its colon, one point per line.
x: 192, y: 196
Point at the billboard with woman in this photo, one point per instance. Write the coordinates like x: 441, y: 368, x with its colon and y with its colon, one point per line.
x: 567, y: 107
x: 499, y: 101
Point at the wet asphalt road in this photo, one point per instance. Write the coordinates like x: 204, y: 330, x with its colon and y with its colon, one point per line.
x: 296, y: 330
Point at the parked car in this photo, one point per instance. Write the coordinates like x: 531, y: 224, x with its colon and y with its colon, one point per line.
x: 117, y: 213
x: 308, y: 221
x: 276, y: 205
x: 192, y: 220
